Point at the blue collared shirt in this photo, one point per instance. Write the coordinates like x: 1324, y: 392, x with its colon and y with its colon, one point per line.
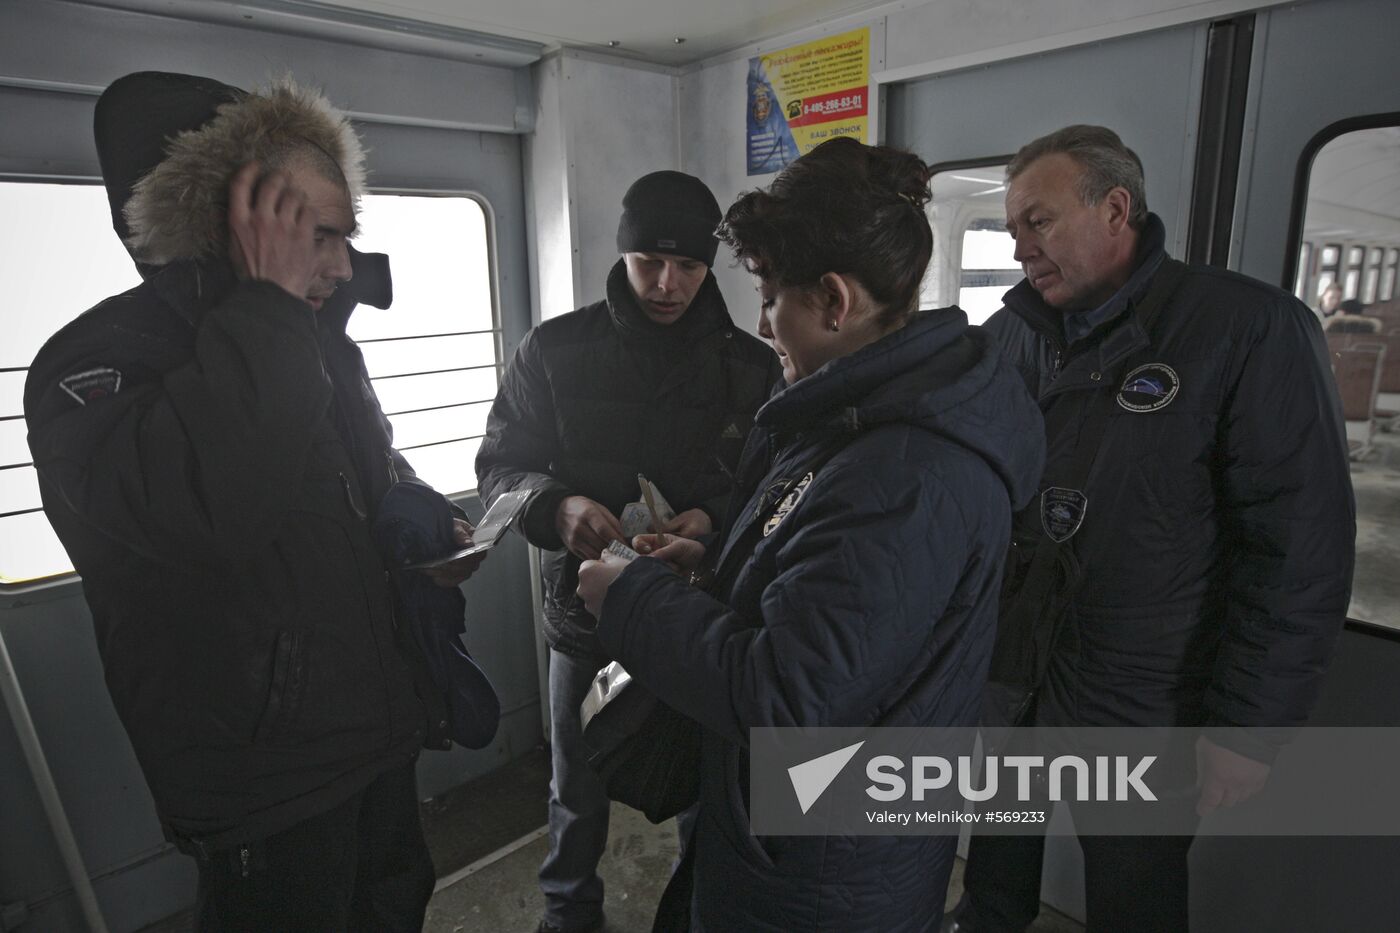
x: 1080, y: 324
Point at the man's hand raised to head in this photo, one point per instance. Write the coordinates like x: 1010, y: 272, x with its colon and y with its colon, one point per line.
x: 271, y: 230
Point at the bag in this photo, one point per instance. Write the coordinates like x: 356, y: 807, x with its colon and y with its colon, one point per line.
x: 415, y: 524
x: 647, y: 754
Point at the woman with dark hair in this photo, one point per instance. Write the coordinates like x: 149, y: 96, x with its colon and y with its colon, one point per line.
x: 855, y: 583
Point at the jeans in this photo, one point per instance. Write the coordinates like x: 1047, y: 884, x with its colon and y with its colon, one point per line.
x: 578, y: 804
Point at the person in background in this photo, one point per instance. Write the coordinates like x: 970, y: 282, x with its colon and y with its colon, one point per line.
x: 862, y: 553
x: 654, y: 379
x: 1329, y: 300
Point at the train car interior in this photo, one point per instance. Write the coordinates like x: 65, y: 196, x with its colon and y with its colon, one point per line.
x: 501, y: 137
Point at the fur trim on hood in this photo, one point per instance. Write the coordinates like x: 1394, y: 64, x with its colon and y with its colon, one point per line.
x: 179, y: 209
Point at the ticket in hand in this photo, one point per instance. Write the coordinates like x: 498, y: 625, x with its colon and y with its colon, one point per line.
x: 618, y: 549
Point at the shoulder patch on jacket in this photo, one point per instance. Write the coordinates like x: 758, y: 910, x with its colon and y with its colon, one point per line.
x: 91, y: 385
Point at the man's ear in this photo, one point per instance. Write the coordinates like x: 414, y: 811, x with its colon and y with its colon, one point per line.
x: 1117, y: 205
x: 836, y: 298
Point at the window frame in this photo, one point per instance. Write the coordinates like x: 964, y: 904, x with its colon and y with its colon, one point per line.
x: 957, y: 233
x: 1302, y: 175
x: 1297, y: 216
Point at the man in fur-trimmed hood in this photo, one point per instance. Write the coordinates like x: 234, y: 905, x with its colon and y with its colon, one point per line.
x: 211, y: 454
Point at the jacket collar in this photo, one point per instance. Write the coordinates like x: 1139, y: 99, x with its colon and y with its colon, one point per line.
x: 834, y: 393
x: 192, y: 287
x: 706, y: 315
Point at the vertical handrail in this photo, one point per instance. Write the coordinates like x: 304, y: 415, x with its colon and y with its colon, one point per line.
x: 541, y: 643
x: 48, y: 791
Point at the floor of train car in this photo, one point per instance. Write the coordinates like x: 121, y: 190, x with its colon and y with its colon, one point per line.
x: 1376, y: 479
x: 487, y: 839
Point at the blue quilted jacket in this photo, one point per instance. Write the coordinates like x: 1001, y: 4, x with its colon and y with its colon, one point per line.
x: 869, y: 597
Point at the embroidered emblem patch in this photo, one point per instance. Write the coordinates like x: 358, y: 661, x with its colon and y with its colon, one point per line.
x: 1149, y: 388
x: 787, y: 505
x: 665, y: 244
x: 731, y: 432
x: 1062, y: 512
x: 92, y: 384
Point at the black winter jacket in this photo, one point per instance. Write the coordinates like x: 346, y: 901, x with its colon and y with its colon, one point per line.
x: 871, y: 601
x: 592, y: 398
x: 214, y: 492
x: 1217, y: 543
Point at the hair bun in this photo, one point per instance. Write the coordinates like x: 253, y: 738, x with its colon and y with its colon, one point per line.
x: 901, y: 174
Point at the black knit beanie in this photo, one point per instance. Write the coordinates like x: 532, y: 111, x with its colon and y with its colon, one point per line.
x: 669, y: 212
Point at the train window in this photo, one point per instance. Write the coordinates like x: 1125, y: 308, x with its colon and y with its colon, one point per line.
x: 1371, y: 278
x: 1327, y: 267
x: 1351, y: 283
x: 433, y: 359
x: 973, y: 261
x: 1353, y: 202
x: 61, y: 259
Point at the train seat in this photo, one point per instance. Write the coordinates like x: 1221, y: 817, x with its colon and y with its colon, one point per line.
x: 1358, y: 371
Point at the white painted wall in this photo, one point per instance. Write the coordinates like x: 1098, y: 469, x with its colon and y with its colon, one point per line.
x: 601, y: 125
x: 552, y: 267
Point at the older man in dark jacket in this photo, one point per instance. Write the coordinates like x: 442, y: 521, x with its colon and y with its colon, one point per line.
x: 211, y: 454
x: 657, y: 380
x: 1197, y: 476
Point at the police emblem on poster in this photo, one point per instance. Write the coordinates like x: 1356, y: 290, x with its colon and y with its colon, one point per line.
x: 787, y: 505
x: 1149, y: 388
x: 1062, y: 512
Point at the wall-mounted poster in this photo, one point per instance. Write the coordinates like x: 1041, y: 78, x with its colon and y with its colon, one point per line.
x: 801, y: 96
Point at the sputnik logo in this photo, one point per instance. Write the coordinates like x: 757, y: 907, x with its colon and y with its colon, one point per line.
x: 811, y: 778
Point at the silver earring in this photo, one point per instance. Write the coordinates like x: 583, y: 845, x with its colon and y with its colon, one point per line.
x: 835, y: 328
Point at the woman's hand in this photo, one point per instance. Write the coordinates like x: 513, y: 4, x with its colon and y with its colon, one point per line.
x: 594, y: 578
x: 691, y: 523
x: 680, y: 554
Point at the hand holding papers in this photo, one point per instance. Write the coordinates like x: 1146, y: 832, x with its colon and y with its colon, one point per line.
x: 494, y: 523
x: 652, y: 513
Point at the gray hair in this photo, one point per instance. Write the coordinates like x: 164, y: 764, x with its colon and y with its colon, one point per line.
x: 1106, y: 164
x: 179, y: 210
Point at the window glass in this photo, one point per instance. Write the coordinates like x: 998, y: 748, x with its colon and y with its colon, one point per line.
x: 1353, y: 202
x: 973, y: 261
x: 61, y: 258
x: 1351, y: 281
x: 1372, y: 277
x: 433, y: 359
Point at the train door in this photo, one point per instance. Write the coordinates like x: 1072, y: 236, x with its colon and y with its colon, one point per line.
x: 1319, y: 201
